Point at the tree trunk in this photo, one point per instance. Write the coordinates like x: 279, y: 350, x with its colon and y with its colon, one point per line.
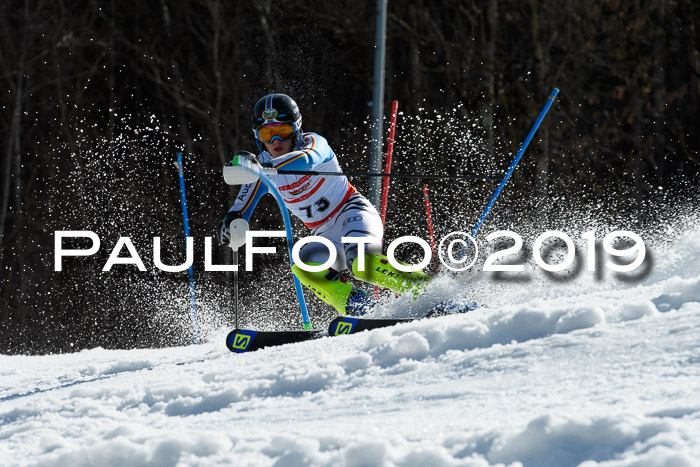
x: 178, y: 87
x: 541, y: 68
x: 489, y: 107
x: 13, y: 141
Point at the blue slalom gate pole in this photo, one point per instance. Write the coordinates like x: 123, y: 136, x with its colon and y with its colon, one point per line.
x: 255, y: 170
x: 511, y: 168
x: 190, y: 271
x: 290, y: 244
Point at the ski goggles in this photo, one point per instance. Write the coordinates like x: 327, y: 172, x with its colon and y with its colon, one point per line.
x: 281, y: 131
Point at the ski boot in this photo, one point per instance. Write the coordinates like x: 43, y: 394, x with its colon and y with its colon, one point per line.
x: 452, y: 306
x: 359, y: 303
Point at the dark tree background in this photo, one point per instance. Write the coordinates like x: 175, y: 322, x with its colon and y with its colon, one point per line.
x: 98, y: 96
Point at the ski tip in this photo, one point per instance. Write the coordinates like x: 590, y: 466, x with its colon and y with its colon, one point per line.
x: 555, y: 92
x: 342, y: 326
x: 245, y: 340
x: 239, y: 340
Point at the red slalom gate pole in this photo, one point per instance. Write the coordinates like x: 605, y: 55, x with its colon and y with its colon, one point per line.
x: 387, y: 170
x: 389, y: 153
x: 426, y: 198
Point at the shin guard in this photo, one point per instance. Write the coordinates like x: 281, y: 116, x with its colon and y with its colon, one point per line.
x: 378, y: 271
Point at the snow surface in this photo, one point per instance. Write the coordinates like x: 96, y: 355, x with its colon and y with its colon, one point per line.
x: 582, y: 372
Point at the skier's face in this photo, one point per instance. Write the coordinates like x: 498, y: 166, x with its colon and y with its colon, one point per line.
x: 279, y: 147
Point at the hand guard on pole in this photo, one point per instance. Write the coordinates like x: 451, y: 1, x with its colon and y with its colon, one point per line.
x: 237, y: 230
x: 231, y: 230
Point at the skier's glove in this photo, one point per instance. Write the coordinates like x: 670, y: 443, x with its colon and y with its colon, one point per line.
x: 244, y: 155
x: 231, y: 230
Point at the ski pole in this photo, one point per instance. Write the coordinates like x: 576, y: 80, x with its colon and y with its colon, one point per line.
x: 270, y: 171
x: 183, y: 200
x: 510, y: 169
x: 235, y: 288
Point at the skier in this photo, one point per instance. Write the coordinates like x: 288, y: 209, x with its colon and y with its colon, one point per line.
x: 328, y: 205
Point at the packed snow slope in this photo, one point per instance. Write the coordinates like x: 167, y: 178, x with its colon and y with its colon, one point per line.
x: 584, y: 372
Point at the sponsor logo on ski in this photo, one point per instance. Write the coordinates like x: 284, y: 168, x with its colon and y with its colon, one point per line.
x: 240, y: 342
x: 343, y: 328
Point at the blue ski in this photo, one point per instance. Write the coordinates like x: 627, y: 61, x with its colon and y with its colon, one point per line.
x: 244, y: 340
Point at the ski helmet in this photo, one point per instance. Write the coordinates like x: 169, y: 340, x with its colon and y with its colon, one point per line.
x: 276, y: 108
